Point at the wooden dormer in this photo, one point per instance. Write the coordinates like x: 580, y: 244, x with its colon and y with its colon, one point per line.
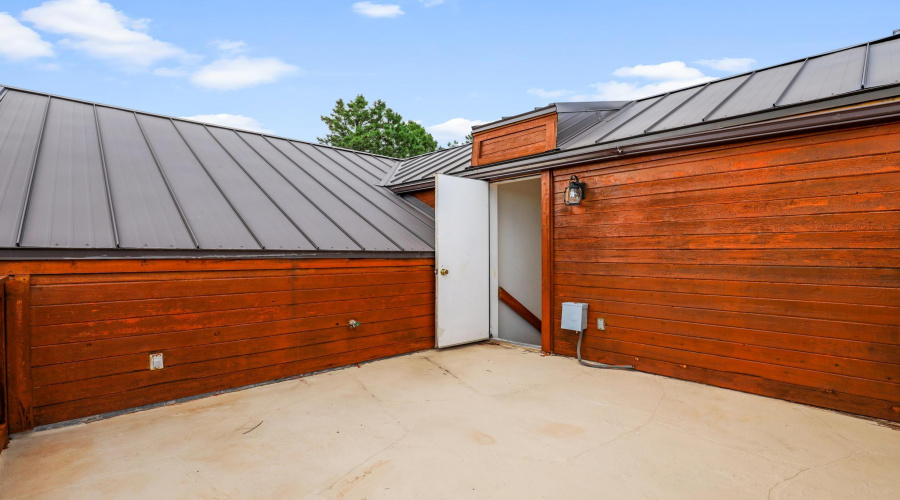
x: 509, y: 139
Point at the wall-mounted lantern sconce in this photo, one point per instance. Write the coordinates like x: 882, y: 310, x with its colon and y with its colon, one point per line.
x: 575, y: 192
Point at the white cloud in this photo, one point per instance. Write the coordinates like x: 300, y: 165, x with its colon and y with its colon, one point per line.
x: 103, y: 32
x: 170, y: 72
x: 454, y: 129
x: 626, y: 91
x: 241, y: 72
x: 431, y: 3
x: 231, y: 121
x: 230, y: 46
x: 550, y: 94
x: 370, y: 9
x: 18, y: 42
x: 672, y: 70
x: 729, y: 64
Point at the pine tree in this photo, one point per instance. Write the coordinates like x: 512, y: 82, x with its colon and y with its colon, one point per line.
x: 375, y: 129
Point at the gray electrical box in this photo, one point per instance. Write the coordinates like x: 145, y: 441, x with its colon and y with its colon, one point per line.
x: 574, y: 316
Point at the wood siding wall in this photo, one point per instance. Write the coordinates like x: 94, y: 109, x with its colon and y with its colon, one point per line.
x: 516, y: 140
x: 92, y: 327
x: 4, y: 420
x: 769, y: 267
x: 426, y: 197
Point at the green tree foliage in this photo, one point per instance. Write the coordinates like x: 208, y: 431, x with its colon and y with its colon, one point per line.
x: 375, y: 129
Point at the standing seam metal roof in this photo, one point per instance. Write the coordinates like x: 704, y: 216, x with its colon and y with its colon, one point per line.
x: 79, y: 175
x: 747, y: 97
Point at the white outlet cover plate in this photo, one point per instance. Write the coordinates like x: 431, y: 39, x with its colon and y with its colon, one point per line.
x: 156, y: 361
x: 601, y: 324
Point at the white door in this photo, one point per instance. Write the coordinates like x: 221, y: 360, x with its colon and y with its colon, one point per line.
x: 462, y: 260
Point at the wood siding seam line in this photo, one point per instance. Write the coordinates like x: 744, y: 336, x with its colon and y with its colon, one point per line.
x: 734, y: 311
x: 216, y: 375
x: 78, y: 287
x: 41, y: 268
x: 165, y: 179
x: 105, y: 169
x: 55, y: 328
x: 34, y: 162
x: 849, y: 377
x: 188, y: 364
x: 732, y: 186
x: 226, y: 342
x: 783, y: 198
x: 307, y: 304
x: 299, y: 191
x: 218, y: 187
x: 263, y: 191
x: 755, y: 297
x: 763, y: 346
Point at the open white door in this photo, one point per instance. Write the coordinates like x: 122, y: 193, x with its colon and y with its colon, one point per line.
x: 462, y: 260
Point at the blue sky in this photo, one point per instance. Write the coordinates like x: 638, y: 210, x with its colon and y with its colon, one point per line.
x: 279, y: 65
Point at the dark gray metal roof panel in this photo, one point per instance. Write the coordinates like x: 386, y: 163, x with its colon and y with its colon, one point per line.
x: 347, y: 160
x: 826, y: 76
x: 652, y: 115
x: 380, y: 212
x: 436, y: 162
x: 20, y: 126
x: 293, y: 166
x: 884, y: 63
x: 68, y: 207
x: 263, y: 218
x: 759, y: 93
x: 572, y: 124
x: 620, y: 119
x: 146, y: 214
x: 214, y: 222
x: 324, y: 233
x: 148, y: 182
x: 364, y: 170
x: 702, y: 104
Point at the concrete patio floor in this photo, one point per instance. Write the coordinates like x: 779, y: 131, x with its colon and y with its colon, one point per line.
x: 481, y: 421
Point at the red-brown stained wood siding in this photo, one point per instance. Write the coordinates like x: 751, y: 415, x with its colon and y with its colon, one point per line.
x: 91, y: 333
x: 771, y: 267
x: 426, y: 197
x: 515, y: 140
x: 4, y: 420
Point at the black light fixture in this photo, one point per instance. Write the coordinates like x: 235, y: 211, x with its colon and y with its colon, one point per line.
x: 575, y: 192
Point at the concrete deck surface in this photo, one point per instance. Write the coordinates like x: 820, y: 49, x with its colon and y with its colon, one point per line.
x: 482, y: 421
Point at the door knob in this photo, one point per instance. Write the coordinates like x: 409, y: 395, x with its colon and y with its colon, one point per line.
x: 444, y: 272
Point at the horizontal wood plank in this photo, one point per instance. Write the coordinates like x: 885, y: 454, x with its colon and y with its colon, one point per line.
x: 765, y: 266
x: 219, y: 325
x: 203, y: 385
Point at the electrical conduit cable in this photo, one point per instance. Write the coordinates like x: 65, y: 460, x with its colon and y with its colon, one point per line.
x: 594, y: 364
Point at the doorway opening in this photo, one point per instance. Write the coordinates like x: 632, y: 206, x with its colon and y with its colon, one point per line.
x: 516, y: 260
